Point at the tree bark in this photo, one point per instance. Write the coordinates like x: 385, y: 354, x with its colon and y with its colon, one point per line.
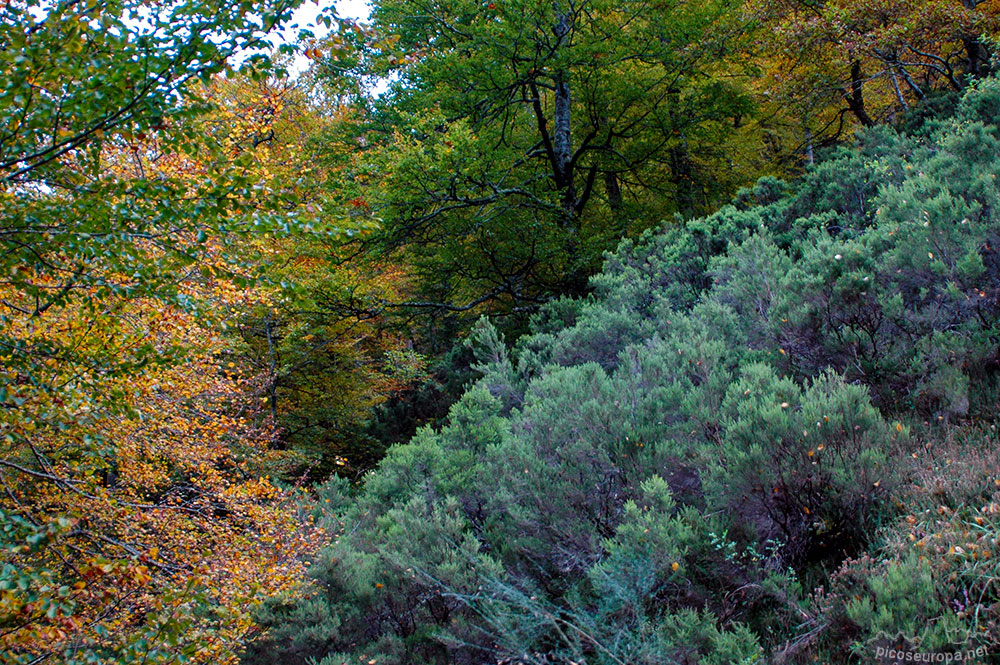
x: 856, y: 98
x: 562, y: 139
x: 683, y: 179
x: 976, y: 52
x: 614, y: 193
x: 563, y: 142
x: 272, y: 388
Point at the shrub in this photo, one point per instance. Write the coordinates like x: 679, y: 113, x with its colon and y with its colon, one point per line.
x: 706, y: 460
x: 802, y: 468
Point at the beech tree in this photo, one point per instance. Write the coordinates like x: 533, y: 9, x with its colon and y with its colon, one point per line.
x: 521, y: 139
x: 850, y: 62
x: 325, y: 373
x: 136, y: 520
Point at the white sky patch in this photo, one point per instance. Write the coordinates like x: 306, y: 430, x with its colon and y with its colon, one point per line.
x: 305, y: 18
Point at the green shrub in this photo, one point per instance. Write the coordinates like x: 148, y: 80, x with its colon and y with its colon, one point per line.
x: 803, y: 468
x: 705, y: 460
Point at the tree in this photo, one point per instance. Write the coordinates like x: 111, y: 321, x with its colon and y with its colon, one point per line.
x: 847, y: 61
x: 96, y: 93
x: 520, y: 139
x: 138, y: 523
x: 325, y: 370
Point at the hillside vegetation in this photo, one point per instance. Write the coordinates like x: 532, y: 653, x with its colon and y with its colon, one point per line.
x: 767, y: 436
x: 460, y: 333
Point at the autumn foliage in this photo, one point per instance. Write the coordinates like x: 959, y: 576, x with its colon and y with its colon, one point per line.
x: 733, y: 401
x: 141, y: 526
x: 845, y: 63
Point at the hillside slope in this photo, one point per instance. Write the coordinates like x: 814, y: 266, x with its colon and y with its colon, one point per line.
x: 768, y: 435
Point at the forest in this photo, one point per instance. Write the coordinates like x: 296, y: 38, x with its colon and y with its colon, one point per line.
x: 468, y: 332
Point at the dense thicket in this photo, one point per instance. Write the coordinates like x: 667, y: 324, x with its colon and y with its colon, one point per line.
x: 768, y: 431
x: 518, y: 141
x: 137, y: 521
x: 765, y: 431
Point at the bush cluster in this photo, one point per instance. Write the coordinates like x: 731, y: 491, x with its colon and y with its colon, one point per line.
x: 764, y: 435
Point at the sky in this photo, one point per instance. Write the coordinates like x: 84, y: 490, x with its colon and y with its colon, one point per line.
x: 306, y: 14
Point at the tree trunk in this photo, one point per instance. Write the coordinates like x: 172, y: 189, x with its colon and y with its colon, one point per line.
x: 683, y: 179
x: 856, y: 98
x: 563, y: 143
x: 976, y: 54
x: 272, y: 388
x: 562, y: 139
x: 614, y: 193
x: 975, y: 51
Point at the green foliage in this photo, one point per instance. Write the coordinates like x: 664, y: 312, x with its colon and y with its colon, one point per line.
x: 804, y: 468
x: 76, y: 72
x: 669, y: 469
x: 501, y: 186
x: 109, y: 194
